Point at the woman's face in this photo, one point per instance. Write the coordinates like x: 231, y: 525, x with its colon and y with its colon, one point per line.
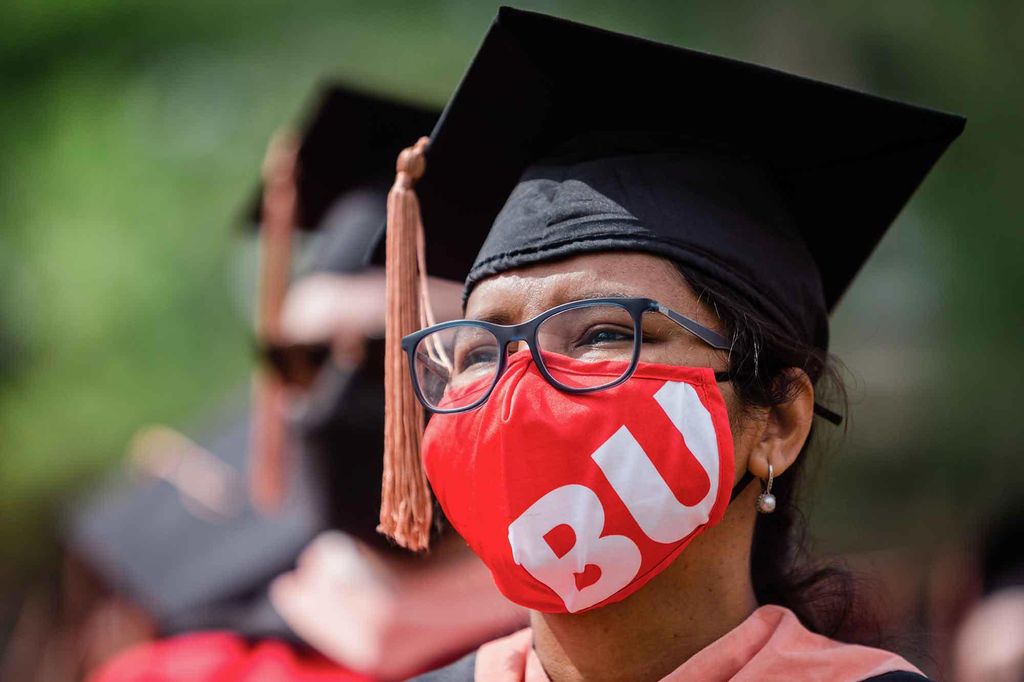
x: 518, y: 295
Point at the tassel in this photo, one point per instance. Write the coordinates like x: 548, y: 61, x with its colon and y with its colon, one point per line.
x: 268, y: 459
x: 406, y: 508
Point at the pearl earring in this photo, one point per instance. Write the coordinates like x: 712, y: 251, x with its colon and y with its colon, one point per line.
x: 765, y: 502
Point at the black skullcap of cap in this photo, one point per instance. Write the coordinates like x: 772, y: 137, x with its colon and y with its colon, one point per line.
x: 694, y: 208
x: 773, y: 184
x: 349, y: 141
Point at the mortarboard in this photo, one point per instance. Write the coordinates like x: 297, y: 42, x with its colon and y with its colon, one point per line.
x: 844, y: 163
x: 189, y: 563
x: 564, y: 139
x: 348, y: 142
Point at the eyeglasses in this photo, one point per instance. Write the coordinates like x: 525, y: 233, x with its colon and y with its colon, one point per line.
x: 455, y: 365
x: 295, y: 364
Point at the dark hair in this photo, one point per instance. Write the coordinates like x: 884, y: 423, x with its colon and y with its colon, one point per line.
x: 822, y: 596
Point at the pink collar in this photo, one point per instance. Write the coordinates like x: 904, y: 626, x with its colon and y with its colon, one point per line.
x: 770, y: 644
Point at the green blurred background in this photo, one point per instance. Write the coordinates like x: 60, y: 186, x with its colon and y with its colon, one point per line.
x: 133, y: 131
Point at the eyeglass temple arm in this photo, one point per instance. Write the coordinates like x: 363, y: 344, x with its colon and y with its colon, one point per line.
x: 716, y: 340
x: 708, y: 336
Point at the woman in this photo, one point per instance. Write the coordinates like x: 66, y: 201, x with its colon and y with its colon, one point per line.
x: 645, y: 332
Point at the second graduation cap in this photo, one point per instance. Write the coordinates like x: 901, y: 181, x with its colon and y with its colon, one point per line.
x: 565, y: 139
x: 349, y: 142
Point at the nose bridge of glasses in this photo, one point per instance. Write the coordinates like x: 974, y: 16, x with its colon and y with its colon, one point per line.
x: 517, y: 337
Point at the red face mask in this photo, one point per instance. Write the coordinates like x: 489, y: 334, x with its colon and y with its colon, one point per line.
x: 575, y: 501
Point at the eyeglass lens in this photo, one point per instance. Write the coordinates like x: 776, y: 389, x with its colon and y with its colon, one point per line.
x: 458, y: 365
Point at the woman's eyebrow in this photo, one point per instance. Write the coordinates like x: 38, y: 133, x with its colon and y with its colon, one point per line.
x: 503, y: 317
x: 586, y: 294
x: 494, y: 317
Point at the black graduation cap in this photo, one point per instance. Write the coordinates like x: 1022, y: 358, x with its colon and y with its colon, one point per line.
x: 349, y: 142
x: 840, y: 163
x: 189, y: 563
x: 193, y: 565
x: 565, y: 139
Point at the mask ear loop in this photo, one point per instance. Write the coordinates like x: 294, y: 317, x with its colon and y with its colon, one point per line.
x: 765, y: 502
x: 744, y: 481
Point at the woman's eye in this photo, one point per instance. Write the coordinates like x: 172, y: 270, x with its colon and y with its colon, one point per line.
x: 596, y: 337
x: 478, y: 356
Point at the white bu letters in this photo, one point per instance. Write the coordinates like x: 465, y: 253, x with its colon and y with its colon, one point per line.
x: 643, y: 491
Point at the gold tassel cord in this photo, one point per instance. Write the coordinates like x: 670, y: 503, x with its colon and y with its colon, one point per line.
x: 435, y: 348
x: 268, y: 457
x: 406, y: 510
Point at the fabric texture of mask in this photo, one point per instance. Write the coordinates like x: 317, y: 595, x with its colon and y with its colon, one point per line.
x: 574, y: 501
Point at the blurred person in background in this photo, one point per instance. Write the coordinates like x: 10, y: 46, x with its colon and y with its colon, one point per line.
x: 989, y: 645
x: 620, y: 424
x: 214, y: 576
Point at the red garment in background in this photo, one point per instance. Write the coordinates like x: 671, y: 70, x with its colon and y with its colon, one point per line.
x: 221, y: 657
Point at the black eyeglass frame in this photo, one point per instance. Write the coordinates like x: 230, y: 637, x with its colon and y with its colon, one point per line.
x: 275, y: 357
x: 527, y: 331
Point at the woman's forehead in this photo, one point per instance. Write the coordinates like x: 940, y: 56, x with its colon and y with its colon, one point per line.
x: 519, y: 294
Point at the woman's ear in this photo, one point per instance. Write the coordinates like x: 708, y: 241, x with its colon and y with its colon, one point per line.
x: 786, y: 428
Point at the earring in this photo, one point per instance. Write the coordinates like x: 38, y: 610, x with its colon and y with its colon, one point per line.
x: 765, y: 502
